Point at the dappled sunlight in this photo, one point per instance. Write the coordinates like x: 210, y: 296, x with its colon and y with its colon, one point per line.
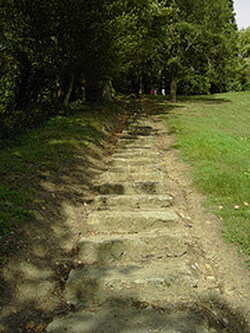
x: 125, y: 315
x: 74, y: 143
x: 29, y: 271
x: 39, y: 291
x: 140, y: 268
x: 60, y: 181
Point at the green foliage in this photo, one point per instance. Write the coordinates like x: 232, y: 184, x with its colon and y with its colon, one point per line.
x: 55, y: 52
x: 205, y: 47
x: 244, y: 48
x: 244, y: 42
x: 213, y: 135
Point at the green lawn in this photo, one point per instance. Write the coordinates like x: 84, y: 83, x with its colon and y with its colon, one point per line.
x: 212, y: 133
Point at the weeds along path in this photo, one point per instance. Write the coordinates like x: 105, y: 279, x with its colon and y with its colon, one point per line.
x: 150, y: 259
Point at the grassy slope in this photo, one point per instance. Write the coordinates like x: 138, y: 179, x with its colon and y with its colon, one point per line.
x: 213, y: 135
x: 45, y: 153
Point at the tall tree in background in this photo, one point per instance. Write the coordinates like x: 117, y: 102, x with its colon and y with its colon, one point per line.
x: 244, y: 52
x: 203, y: 57
x: 244, y: 42
x: 51, y: 50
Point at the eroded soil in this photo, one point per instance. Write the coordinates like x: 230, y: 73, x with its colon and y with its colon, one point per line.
x: 136, y: 253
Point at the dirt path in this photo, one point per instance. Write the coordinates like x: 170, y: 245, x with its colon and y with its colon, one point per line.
x: 151, y: 260
x: 148, y: 259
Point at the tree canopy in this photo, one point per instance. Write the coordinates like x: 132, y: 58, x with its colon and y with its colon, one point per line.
x: 244, y: 42
x: 53, y: 52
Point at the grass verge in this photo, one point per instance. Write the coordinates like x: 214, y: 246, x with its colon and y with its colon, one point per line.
x: 46, y: 153
x: 212, y: 133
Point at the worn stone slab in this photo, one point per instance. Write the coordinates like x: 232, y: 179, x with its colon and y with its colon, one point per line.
x: 128, y: 154
x: 128, y: 138
x: 94, y: 285
x: 113, y: 318
x: 131, y: 221
x: 122, y: 250
x: 126, y: 162
x: 128, y: 168
x: 140, y: 130
x: 136, y: 187
x: 124, y: 177
x: 125, y: 202
x: 134, y: 145
x: 135, y: 150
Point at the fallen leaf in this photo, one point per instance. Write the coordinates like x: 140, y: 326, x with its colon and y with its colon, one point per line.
x: 40, y: 328
x: 210, y: 278
x: 30, y: 325
x: 37, y: 200
x: 208, y: 267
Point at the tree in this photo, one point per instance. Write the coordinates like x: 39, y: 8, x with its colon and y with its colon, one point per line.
x: 203, y: 55
x: 144, y: 44
x: 50, y: 50
x: 244, y: 42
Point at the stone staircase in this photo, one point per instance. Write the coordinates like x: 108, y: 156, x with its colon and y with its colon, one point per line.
x: 140, y: 271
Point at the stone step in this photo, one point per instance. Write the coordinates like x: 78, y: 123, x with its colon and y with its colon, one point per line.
x: 137, y: 187
x: 141, y: 161
x: 136, y: 154
x: 137, y: 132
x: 131, y: 249
x: 119, y: 316
x: 139, y: 120
x: 152, y: 283
x: 116, y: 177
x: 128, y: 139
x: 128, y: 168
x: 140, y: 130
x: 127, y: 136
x: 127, y: 202
x: 135, y: 145
x: 131, y: 221
x: 133, y: 150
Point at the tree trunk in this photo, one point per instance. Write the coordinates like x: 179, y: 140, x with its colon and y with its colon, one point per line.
x: 139, y: 83
x: 21, y: 89
x: 93, y: 91
x: 146, y: 85
x: 37, y: 84
x: 173, y: 89
x: 108, y: 91
x: 69, y: 90
x: 57, y: 93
